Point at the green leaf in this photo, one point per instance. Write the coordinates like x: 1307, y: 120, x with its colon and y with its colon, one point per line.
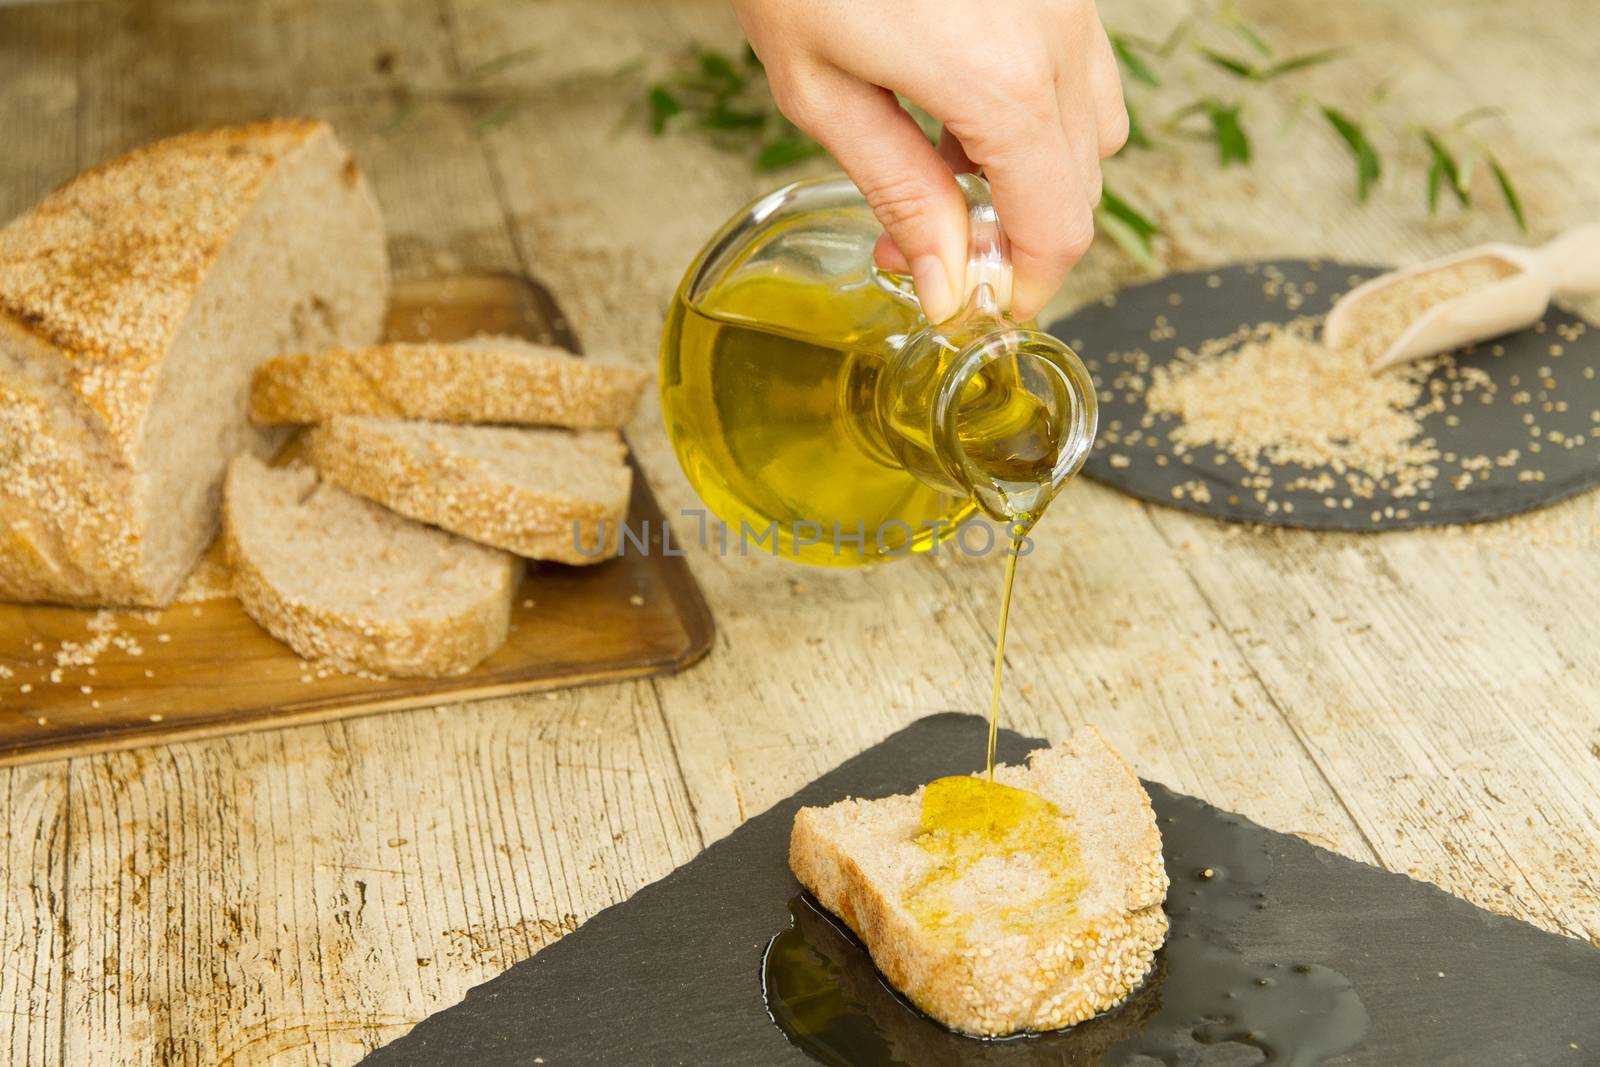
x: 1368, y: 167
x: 723, y: 117
x: 786, y: 151
x: 752, y: 60
x: 1477, y: 114
x: 1137, y: 137
x: 718, y: 69
x: 1251, y: 37
x: 496, y: 116
x: 1133, y: 232
x: 1175, y: 37
x: 1136, y: 67
x: 1443, y: 170
x: 663, y: 105
x: 501, y: 63
x: 1237, y: 67
x: 1508, y: 191
x: 1294, y: 63
x: 1242, y: 69
x: 1233, y: 144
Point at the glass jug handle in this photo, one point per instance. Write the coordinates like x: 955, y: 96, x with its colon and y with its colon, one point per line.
x: 988, y: 281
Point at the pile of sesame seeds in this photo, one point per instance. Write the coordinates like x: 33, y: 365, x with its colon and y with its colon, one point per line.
x: 1272, y: 394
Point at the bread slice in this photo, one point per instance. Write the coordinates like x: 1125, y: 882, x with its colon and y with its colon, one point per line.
x: 541, y: 493
x: 341, y: 580
x: 1038, y: 934
x: 486, y: 379
x: 135, y: 303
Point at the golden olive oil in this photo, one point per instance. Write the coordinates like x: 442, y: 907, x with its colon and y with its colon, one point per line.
x: 776, y: 426
x: 1000, y: 651
x: 772, y: 389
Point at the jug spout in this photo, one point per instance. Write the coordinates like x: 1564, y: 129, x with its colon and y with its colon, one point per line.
x: 983, y: 405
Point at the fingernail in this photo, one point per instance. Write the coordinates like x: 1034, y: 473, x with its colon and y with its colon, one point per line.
x: 933, y: 287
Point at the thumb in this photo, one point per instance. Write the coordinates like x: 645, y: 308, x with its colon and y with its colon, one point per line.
x: 910, y: 188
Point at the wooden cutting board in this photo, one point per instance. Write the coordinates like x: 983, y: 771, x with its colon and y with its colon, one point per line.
x: 75, y: 681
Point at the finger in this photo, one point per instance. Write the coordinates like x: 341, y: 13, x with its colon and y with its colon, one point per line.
x: 910, y: 188
x: 1040, y: 195
x: 886, y: 253
x: 1105, y: 87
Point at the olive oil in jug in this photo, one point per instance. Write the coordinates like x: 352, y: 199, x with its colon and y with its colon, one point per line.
x: 821, y: 416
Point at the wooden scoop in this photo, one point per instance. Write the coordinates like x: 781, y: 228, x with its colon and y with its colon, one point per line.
x: 1567, y: 266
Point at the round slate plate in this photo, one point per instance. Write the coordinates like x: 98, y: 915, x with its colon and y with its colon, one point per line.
x: 1549, y: 372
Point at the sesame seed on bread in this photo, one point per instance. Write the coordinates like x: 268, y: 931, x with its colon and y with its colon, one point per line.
x: 1033, y: 950
x: 346, y: 582
x: 484, y: 380
x: 542, y: 493
x: 135, y: 302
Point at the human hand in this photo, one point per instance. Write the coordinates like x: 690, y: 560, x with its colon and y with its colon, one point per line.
x: 1027, y: 90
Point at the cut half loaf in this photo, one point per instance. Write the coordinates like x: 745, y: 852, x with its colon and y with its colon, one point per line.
x: 1023, y: 939
x: 541, y: 493
x: 135, y: 303
x: 486, y: 379
x: 343, y: 581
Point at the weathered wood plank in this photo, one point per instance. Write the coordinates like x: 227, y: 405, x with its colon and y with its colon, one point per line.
x: 33, y: 881
x: 1452, y: 699
x: 316, y: 891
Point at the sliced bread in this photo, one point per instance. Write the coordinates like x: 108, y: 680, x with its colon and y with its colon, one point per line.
x: 135, y: 303
x: 486, y: 379
x: 541, y: 493
x: 1028, y: 932
x: 346, y: 582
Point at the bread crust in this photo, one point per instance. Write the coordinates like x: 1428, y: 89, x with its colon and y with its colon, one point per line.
x: 487, y: 381
x: 426, y: 646
x: 1025, y: 982
x: 455, y: 492
x: 99, y: 283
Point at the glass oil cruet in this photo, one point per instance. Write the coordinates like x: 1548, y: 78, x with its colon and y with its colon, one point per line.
x: 823, y: 418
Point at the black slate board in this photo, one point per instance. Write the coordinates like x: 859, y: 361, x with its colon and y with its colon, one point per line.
x: 1184, y: 310
x: 672, y: 976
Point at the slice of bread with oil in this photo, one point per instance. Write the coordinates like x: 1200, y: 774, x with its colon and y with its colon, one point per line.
x: 1032, y: 933
x: 542, y: 493
x: 484, y: 380
x: 346, y: 582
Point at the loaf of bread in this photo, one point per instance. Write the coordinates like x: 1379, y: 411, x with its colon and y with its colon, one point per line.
x: 486, y: 379
x: 542, y: 493
x: 345, y: 582
x: 135, y: 303
x: 1040, y: 933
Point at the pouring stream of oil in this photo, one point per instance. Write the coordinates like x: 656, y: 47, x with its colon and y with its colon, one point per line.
x: 1000, y: 650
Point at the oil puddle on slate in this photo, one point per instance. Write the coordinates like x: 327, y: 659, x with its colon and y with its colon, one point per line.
x: 1525, y: 435
x: 1327, y: 960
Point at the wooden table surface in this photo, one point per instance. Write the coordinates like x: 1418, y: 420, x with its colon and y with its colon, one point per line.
x: 1429, y: 702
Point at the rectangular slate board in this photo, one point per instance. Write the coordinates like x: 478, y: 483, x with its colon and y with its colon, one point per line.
x: 672, y: 975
